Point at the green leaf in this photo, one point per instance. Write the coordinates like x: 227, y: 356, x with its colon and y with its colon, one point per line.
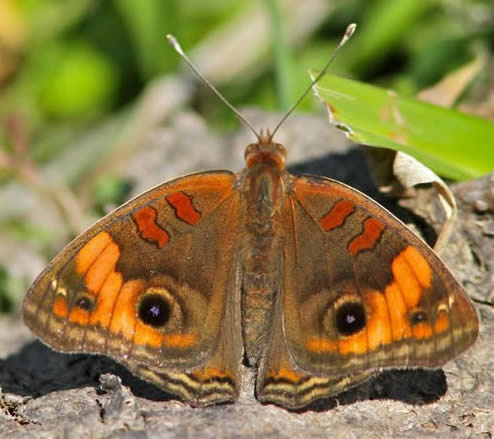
x: 110, y: 191
x: 453, y: 144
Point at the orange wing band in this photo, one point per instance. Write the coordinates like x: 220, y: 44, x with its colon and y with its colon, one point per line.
x: 337, y: 215
x: 148, y: 228
x: 368, y: 238
x: 184, y: 209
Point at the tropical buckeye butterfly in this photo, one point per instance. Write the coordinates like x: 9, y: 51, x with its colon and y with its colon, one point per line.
x: 305, y: 278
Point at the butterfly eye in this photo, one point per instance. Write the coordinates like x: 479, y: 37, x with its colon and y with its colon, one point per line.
x: 154, y: 310
x: 350, y: 318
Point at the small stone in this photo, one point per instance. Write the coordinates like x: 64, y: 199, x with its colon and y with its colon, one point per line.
x: 481, y: 206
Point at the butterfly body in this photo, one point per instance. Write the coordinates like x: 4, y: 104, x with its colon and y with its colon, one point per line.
x: 315, y: 284
x: 263, y: 184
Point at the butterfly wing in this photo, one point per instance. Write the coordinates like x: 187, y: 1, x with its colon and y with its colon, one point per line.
x: 155, y: 286
x: 363, y: 293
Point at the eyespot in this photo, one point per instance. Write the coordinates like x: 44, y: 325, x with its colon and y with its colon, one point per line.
x: 418, y: 316
x: 84, y: 302
x: 350, y: 318
x: 154, y: 310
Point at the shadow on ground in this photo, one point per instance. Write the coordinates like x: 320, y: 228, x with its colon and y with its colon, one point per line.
x: 36, y: 370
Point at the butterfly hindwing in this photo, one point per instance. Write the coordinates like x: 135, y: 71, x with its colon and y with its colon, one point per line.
x: 280, y: 381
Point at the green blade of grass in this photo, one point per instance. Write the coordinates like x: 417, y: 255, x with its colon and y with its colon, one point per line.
x: 453, y: 144
x: 147, y: 24
x: 284, y: 67
x: 386, y: 23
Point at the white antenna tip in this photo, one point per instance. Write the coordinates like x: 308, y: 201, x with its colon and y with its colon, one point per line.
x: 351, y: 29
x: 348, y: 33
x: 174, y: 43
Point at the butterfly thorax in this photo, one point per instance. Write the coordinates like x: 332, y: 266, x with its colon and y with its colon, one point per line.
x: 264, y: 183
x: 265, y: 153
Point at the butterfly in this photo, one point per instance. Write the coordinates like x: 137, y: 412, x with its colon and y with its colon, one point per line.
x: 302, y: 277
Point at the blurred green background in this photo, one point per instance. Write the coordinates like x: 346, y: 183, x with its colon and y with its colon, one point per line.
x: 81, y: 69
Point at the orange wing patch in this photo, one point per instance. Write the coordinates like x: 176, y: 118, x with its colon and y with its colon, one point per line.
x: 103, y: 265
x: 105, y: 301
x: 148, y: 336
x: 422, y: 331
x: 393, y: 315
x: 354, y: 344
x: 180, y: 340
x: 60, y: 307
x: 400, y: 325
x: 419, y: 265
x: 184, y: 210
x: 285, y: 374
x: 368, y: 238
x: 111, y: 303
x: 88, y: 254
x: 124, y: 317
x: 407, y: 282
x: 321, y: 345
x: 378, y: 327
x: 211, y: 373
x: 118, y: 311
x: 412, y: 275
x: 337, y: 215
x: 79, y: 316
x: 149, y: 230
x: 442, y: 322
x: 95, y: 261
x: 376, y: 332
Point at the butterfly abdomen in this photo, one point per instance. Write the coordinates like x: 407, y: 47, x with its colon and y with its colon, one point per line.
x: 261, y: 265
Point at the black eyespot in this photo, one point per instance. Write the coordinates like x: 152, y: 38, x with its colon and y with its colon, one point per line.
x: 154, y: 310
x: 418, y: 317
x: 350, y: 318
x: 84, y: 303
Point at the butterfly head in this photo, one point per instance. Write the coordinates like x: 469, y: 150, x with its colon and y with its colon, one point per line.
x: 265, y: 152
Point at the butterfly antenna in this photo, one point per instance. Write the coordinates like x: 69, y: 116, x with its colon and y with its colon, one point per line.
x: 174, y: 43
x: 348, y: 33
